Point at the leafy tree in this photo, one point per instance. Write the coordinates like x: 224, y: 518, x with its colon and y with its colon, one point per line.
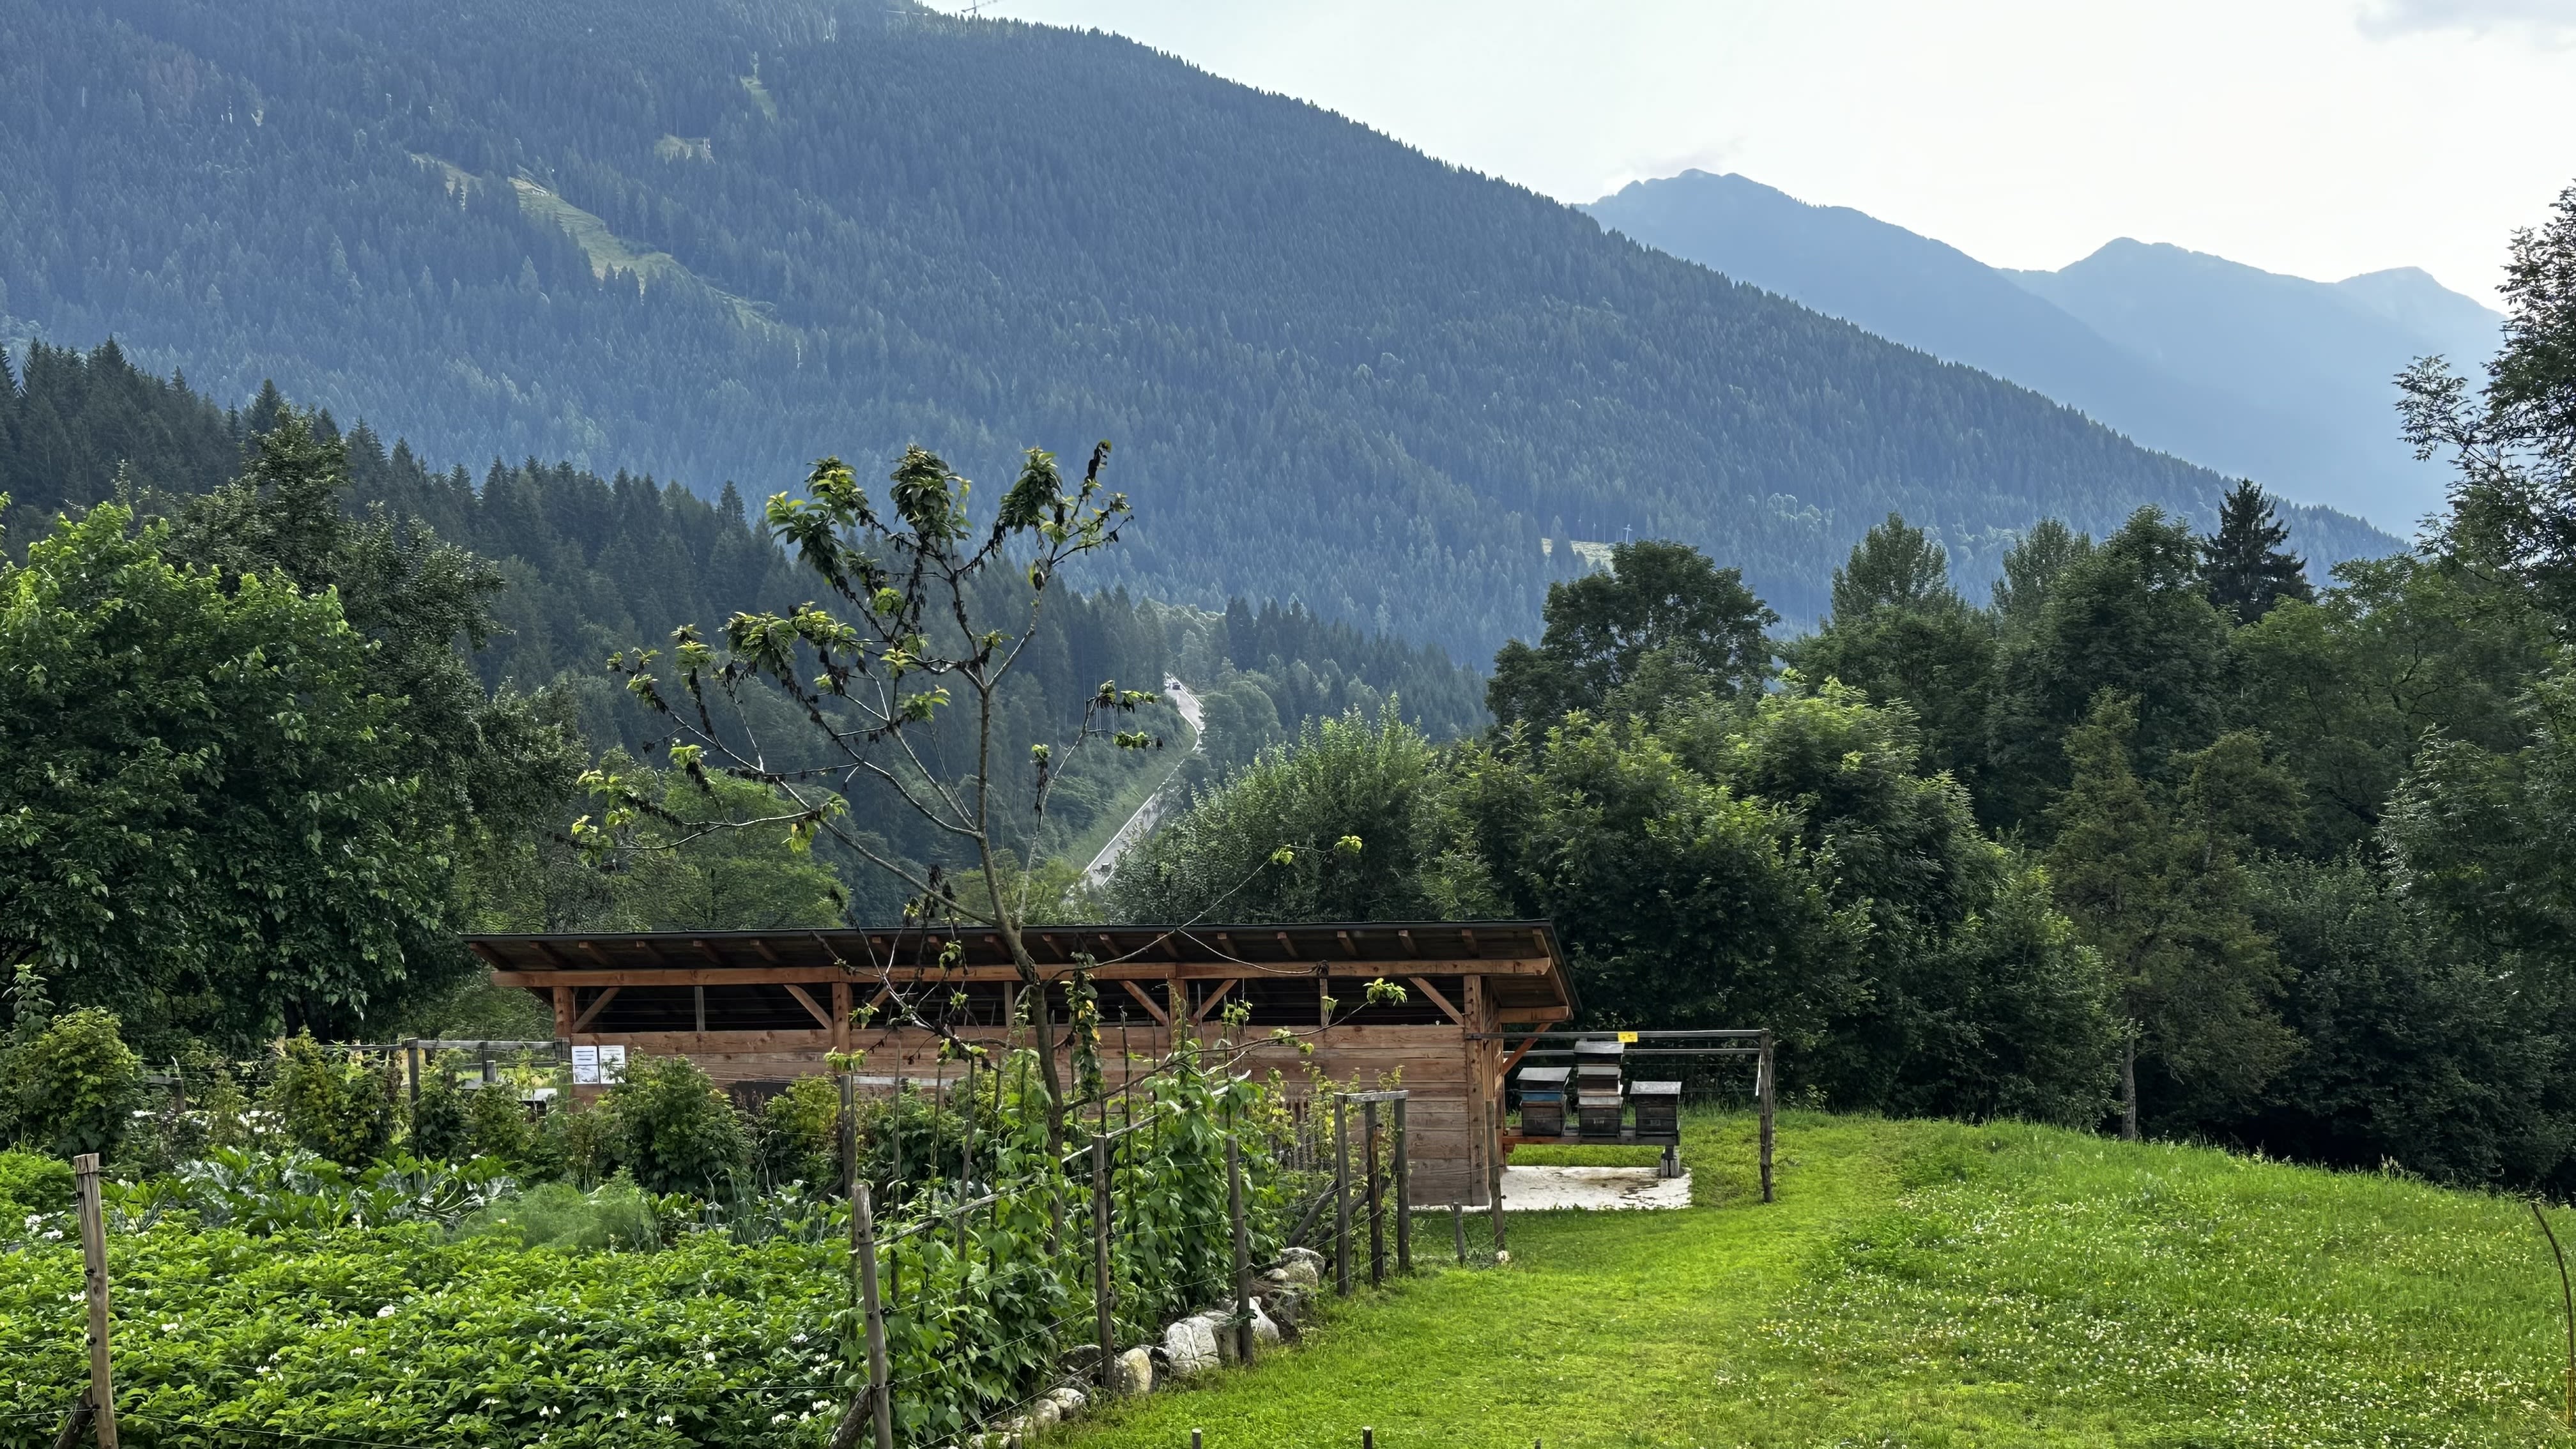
x: 678, y: 874
x: 440, y: 1130
x: 2128, y: 617
x: 74, y: 1085
x: 497, y: 1126
x: 2416, y: 1047
x: 1657, y: 599
x: 2031, y: 566
x: 2513, y: 445
x: 206, y: 819
x: 1900, y: 633
x: 2243, y: 563
x: 1350, y: 823
x: 2154, y: 885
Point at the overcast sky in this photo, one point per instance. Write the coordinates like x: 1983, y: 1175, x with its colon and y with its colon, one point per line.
x: 2316, y: 137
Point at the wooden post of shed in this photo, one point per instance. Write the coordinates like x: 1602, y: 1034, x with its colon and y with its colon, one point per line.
x: 1376, y: 1200
x: 1341, y: 1200
x: 93, y: 1231
x: 1767, y: 1092
x: 1494, y: 1166
x: 564, y: 1014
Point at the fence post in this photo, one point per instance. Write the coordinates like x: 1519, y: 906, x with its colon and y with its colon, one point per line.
x: 411, y: 1079
x: 1376, y: 1203
x: 1494, y: 1166
x: 1243, y: 1335
x: 1403, y: 1189
x: 93, y: 1231
x: 1767, y: 1093
x: 1101, y: 1289
x: 849, y: 1132
x: 1341, y: 1199
x: 966, y: 1165
x: 863, y: 1246
x: 1458, y: 1227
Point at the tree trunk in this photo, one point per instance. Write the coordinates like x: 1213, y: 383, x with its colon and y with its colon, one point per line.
x: 1040, y: 1024
x: 2129, y: 1089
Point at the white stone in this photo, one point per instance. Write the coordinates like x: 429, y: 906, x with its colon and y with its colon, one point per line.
x: 1133, y: 1371
x: 1298, y: 1273
x: 1190, y: 1346
x: 1044, y: 1415
x: 1263, y: 1330
x: 1069, y: 1402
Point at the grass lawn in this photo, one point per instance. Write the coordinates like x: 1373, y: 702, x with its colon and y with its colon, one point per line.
x: 1933, y: 1284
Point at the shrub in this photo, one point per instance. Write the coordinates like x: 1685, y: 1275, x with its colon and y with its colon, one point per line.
x: 31, y: 1182
x: 440, y: 1128
x: 674, y: 1130
x: 496, y: 1124
x: 74, y: 1087
x: 799, y: 1133
x: 336, y: 1106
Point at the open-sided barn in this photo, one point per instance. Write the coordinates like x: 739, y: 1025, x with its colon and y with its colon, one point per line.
x: 759, y: 1008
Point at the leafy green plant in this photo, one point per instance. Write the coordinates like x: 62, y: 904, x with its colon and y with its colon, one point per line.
x: 75, y: 1085
x: 31, y: 1182
x: 616, y: 1215
x: 674, y: 1130
x: 332, y: 1104
x: 440, y: 1129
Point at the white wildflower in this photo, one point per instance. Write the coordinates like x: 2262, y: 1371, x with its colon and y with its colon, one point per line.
x: 385, y: 1312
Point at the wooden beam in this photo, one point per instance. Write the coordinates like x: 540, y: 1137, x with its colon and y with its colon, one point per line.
x: 1214, y: 997
x: 1514, y: 1060
x: 811, y: 1006
x: 1123, y: 971
x: 1160, y: 1018
x: 840, y: 1015
x: 1468, y: 934
x: 1348, y: 950
x: 551, y: 954
x: 485, y: 951
x: 1287, y: 948
x: 762, y: 946
x: 711, y: 953
x: 563, y: 1011
x: 591, y: 1012
x: 588, y: 948
x: 1438, y: 1000
x: 1406, y: 937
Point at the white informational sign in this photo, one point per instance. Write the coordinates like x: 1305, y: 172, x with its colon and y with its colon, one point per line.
x: 585, y: 1065
x: 612, y: 1065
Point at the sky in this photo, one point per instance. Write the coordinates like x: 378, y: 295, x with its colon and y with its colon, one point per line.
x: 2321, y: 138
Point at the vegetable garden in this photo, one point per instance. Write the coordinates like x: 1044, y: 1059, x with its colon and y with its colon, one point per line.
x: 265, y: 1294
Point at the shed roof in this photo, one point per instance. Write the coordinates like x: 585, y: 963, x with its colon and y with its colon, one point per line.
x: 1521, y: 961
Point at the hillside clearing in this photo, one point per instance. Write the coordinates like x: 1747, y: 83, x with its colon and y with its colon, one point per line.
x: 1934, y: 1284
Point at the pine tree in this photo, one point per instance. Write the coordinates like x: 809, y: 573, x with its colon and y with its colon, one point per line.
x: 2243, y: 566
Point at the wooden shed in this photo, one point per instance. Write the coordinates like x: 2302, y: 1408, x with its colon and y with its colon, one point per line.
x: 758, y: 1008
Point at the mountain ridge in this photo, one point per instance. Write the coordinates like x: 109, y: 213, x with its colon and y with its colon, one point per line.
x: 2184, y: 351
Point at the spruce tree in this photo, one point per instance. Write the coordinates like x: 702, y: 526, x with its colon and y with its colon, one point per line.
x: 2243, y: 565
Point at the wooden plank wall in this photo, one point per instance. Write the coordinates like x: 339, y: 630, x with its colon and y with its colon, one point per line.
x: 1449, y: 1078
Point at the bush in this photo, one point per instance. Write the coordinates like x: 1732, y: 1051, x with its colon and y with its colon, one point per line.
x: 336, y: 1106
x: 496, y: 1124
x: 440, y: 1130
x: 674, y: 1130
x: 75, y: 1086
x: 31, y: 1182
x: 798, y: 1137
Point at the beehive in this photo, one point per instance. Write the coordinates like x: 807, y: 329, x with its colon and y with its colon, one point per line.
x: 1543, y: 1101
x: 1659, y: 1108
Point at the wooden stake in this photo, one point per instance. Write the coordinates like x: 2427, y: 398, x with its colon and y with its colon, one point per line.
x: 1494, y: 1167
x: 93, y: 1231
x: 1376, y: 1205
x: 849, y: 1133
x: 1403, y: 1192
x: 1458, y: 1227
x: 1341, y: 1199
x: 2567, y: 1300
x: 863, y: 1243
x: 1243, y: 1335
x: 1102, y: 1291
x: 1767, y: 1092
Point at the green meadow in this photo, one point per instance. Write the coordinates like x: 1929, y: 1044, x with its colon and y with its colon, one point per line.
x: 1933, y: 1284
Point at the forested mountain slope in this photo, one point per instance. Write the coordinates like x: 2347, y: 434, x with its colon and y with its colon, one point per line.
x: 713, y: 241
x: 594, y: 565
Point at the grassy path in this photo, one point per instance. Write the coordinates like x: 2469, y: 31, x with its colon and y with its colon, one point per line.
x: 1938, y: 1285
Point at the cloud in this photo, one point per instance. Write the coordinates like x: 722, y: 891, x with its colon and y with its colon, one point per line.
x: 2552, y: 22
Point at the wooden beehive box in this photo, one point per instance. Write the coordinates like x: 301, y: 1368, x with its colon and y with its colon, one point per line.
x: 1600, y: 1113
x: 1543, y: 1101
x: 1659, y: 1108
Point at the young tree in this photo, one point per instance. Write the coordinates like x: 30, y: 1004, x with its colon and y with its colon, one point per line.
x: 2156, y: 888
x: 1658, y: 599
x: 2243, y: 564
x: 2031, y: 567
x: 920, y: 593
